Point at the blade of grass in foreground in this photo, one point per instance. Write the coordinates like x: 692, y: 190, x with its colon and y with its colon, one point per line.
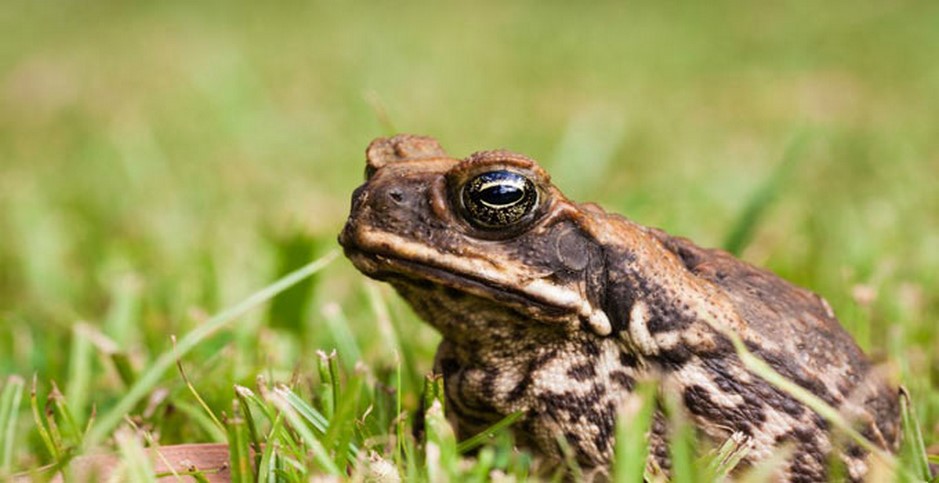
x: 682, y: 444
x: 238, y: 447
x: 146, y: 382
x: 308, y: 413
x: 136, y: 462
x: 218, y: 426
x: 9, y: 414
x: 281, y: 398
x: 632, y: 426
x: 481, y: 438
x: 442, y: 456
x: 723, y: 460
x: 913, y: 437
x: 41, y: 421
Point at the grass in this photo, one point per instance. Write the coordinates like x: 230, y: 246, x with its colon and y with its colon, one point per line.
x: 161, y: 163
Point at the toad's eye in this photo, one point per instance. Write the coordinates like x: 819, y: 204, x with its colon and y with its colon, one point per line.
x: 497, y: 199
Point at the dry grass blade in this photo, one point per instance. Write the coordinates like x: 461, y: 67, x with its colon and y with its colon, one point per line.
x: 192, y: 390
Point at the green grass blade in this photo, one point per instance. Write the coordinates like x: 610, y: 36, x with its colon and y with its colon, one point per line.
x: 682, y: 443
x: 239, y: 450
x: 71, y: 433
x: 41, y: 422
x: 403, y: 455
x: 195, y: 393
x: 307, y: 412
x: 154, y: 454
x: 914, y: 445
x: 123, y: 317
x: 289, y: 311
x: 267, y: 465
x: 484, y: 463
x: 313, y: 417
x: 281, y: 399
x: 136, y: 462
x: 333, y: 364
x: 107, y: 346
x: 383, y: 318
x: 198, y: 476
x: 329, y: 385
x: 441, y: 445
x: 10, y: 399
x: 483, y: 437
x: 721, y: 462
x: 149, y: 379
x: 434, y: 391
x: 632, y: 426
x: 341, y: 426
x: 743, y: 230
x: 254, y: 433
x: 339, y: 328
x: 79, y: 374
x: 247, y: 395
x: 124, y: 368
x: 200, y: 419
x: 571, y: 468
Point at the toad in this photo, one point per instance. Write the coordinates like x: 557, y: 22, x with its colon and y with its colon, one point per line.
x: 555, y: 309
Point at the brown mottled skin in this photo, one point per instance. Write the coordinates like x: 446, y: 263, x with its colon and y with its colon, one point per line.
x: 557, y: 314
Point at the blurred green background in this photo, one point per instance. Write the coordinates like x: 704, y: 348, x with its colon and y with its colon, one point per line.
x: 160, y: 161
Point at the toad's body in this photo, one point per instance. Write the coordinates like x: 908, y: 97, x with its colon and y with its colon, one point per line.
x: 556, y: 309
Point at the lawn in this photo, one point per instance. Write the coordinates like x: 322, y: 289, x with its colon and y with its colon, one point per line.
x: 164, y: 164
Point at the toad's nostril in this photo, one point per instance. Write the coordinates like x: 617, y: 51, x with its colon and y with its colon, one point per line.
x: 396, y: 196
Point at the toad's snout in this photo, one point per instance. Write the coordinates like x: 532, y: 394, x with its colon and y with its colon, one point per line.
x: 383, y: 206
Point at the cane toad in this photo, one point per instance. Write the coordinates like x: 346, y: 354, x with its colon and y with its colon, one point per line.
x: 555, y: 309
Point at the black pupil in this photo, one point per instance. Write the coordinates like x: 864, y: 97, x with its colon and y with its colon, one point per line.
x: 501, y: 194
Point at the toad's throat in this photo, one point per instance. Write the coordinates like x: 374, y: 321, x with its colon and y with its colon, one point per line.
x: 384, y: 255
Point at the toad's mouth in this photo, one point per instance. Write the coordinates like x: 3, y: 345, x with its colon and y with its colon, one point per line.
x: 389, y: 257
x: 401, y: 270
